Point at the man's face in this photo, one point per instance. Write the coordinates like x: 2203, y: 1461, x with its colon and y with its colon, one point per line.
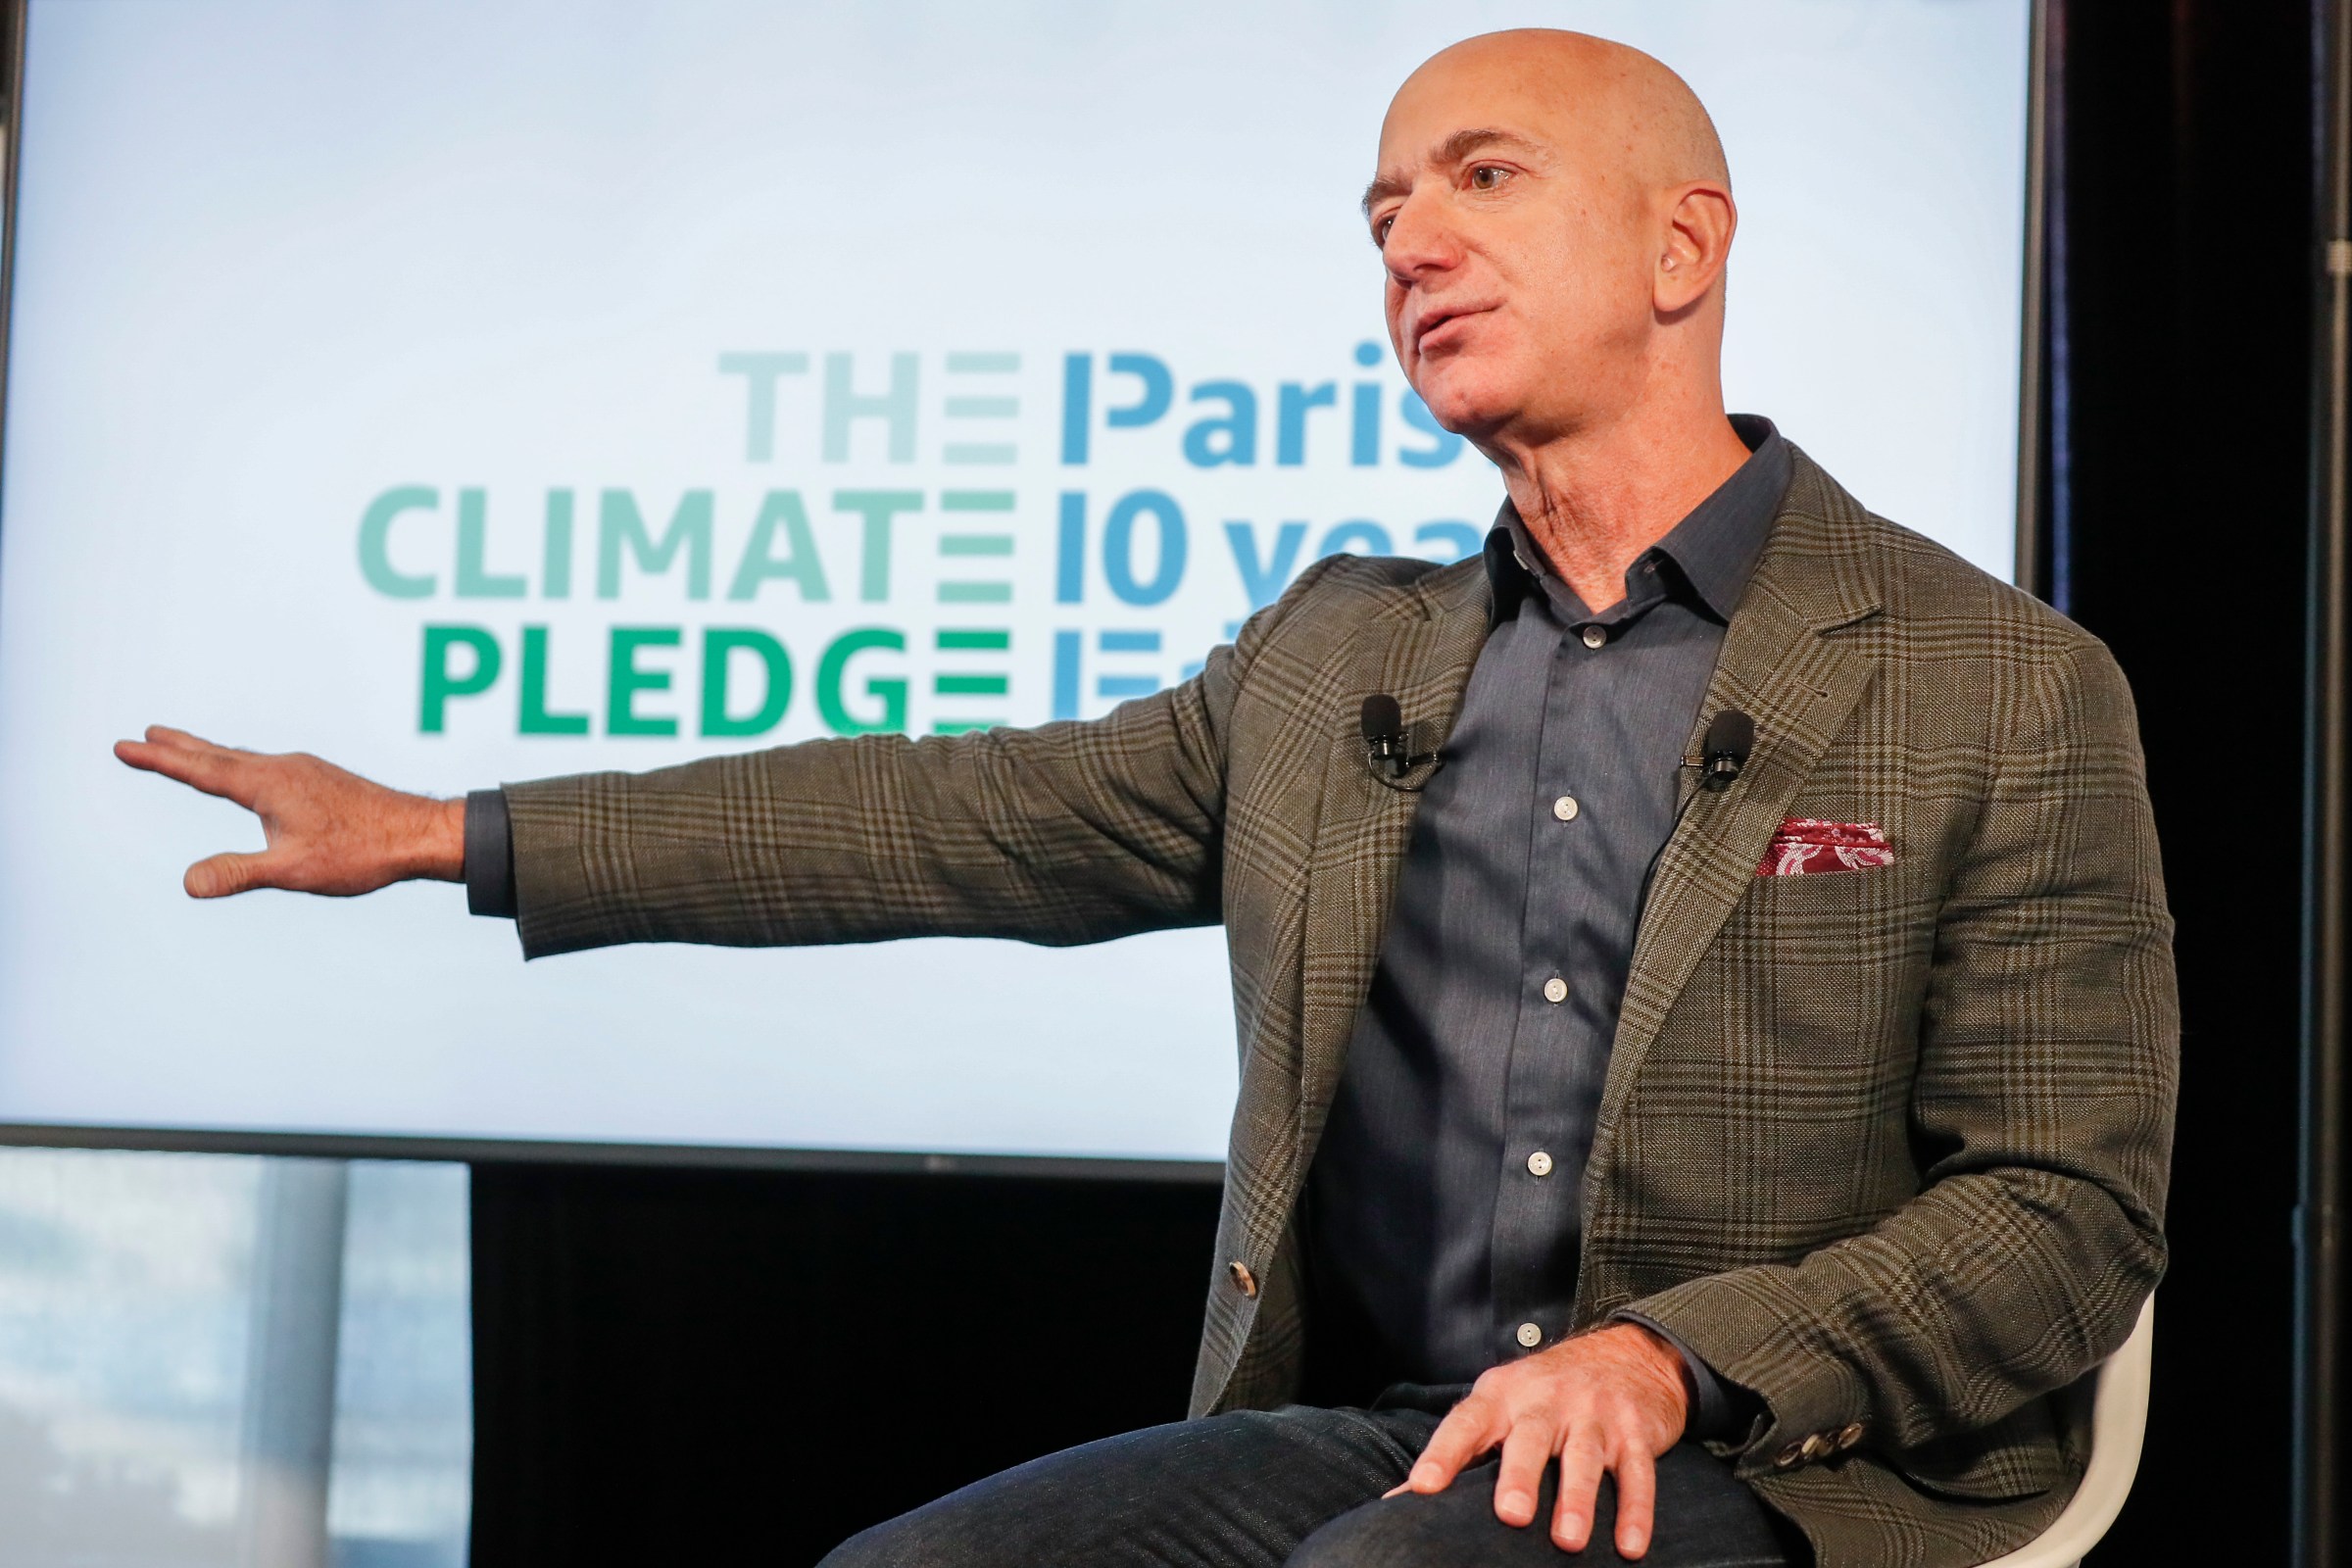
x: 1518, y: 251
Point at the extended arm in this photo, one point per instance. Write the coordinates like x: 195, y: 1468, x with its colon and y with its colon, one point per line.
x: 1073, y: 832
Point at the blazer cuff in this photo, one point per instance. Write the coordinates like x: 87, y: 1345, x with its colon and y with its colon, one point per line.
x: 489, y: 854
x: 1807, y: 1402
x: 1714, y: 1411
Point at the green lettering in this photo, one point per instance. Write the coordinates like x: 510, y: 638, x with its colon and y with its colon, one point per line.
x: 535, y: 719
x: 475, y: 580
x: 782, y: 509
x: 628, y: 680
x: 555, y: 572
x: 375, y: 537
x: 890, y: 692
x: 845, y: 404
x: 720, y: 644
x: 440, y: 683
x: 620, y: 523
x: 760, y: 372
x: 878, y: 507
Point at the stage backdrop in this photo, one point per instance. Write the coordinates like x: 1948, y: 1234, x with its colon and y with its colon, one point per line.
x: 479, y: 392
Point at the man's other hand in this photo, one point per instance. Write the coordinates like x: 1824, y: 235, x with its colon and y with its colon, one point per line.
x: 328, y: 831
x: 1609, y: 1400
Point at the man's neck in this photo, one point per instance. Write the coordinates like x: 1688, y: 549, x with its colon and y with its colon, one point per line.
x: 1594, y: 501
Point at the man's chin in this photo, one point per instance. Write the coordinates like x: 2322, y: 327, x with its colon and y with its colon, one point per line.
x: 1465, y: 402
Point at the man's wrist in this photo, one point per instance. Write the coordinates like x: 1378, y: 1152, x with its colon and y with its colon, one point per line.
x: 1716, y: 1409
x: 438, y: 842
x: 1670, y: 1360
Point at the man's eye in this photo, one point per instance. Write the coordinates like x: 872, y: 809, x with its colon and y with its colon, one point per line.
x: 1380, y: 229
x: 1486, y: 176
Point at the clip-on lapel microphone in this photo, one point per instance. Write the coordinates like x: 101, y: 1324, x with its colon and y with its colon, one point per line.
x: 1723, y: 755
x: 1386, y: 744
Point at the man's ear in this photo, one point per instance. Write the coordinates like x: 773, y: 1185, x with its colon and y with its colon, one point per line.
x: 1698, y: 242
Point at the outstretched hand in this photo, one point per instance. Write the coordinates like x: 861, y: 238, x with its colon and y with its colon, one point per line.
x: 1612, y: 1401
x: 329, y: 831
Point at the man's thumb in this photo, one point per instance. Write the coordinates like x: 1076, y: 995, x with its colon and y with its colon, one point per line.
x: 224, y: 874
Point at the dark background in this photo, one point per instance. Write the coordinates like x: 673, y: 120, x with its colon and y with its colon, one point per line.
x: 2181, y: 264
x: 671, y: 1362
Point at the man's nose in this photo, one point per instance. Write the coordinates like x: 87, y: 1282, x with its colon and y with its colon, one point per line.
x: 1419, y: 241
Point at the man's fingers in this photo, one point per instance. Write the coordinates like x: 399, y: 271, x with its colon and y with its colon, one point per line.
x: 1519, y: 1479
x: 166, y: 735
x: 1637, y: 1501
x: 1580, y: 1465
x: 199, y: 766
x: 1465, y: 1434
x: 219, y: 875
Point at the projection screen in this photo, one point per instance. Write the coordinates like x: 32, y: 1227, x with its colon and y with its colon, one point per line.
x: 478, y: 392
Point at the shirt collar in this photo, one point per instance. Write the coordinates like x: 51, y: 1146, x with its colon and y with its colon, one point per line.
x: 1714, y: 548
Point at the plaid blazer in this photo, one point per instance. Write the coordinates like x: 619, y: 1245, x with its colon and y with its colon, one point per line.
x: 1887, y: 1148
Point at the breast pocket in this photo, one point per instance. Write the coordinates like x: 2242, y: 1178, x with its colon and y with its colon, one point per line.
x: 1837, y: 961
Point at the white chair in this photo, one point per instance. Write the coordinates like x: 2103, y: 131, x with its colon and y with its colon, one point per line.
x: 2119, y: 1419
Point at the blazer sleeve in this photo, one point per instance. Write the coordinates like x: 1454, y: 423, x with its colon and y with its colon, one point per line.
x: 1067, y: 833
x: 2041, y: 1115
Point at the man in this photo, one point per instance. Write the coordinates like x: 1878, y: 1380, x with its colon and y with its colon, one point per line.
x: 1730, y: 1174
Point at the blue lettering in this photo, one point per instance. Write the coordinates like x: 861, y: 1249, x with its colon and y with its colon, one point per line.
x: 1118, y: 547
x: 1239, y: 427
x: 1263, y: 579
x: 1159, y: 390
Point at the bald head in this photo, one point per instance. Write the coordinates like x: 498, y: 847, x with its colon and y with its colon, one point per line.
x: 1621, y: 103
x: 1554, y: 211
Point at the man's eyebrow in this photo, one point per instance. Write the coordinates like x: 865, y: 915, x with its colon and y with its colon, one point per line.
x: 1383, y: 187
x: 1454, y: 149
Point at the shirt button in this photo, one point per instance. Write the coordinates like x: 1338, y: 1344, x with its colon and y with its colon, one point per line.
x: 1565, y: 808
x: 1539, y: 1164
x: 1555, y: 988
x: 1594, y: 636
x: 1529, y: 1334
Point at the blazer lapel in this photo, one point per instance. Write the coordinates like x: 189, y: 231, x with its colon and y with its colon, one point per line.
x: 1799, y: 685
x: 1423, y: 656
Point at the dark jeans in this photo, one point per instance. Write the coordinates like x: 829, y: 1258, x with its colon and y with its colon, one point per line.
x: 1299, y: 1486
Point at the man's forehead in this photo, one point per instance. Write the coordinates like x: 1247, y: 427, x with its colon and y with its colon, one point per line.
x: 1451, y: 147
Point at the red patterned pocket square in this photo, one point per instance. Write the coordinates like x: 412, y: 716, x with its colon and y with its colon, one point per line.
x: 1806, y: 846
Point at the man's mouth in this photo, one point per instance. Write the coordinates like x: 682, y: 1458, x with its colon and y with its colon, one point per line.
x: 1444, y: 324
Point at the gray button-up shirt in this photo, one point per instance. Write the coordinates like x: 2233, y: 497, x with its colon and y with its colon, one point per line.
x: 1442, y: 1217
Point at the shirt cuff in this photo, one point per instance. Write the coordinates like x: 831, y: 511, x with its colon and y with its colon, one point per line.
x: 489, y: 854
x: 1713, y: 1414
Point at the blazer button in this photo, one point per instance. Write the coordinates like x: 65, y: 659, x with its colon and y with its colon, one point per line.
x: 1814, y: 1446
x: 1850, y: 1436
x: 1242, y: 1280
x: 1791, y: 1457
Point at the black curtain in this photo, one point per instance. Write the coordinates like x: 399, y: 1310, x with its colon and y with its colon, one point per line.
x: 674, y: 1362
x: 729, y: 1366
x: 2179, y: 325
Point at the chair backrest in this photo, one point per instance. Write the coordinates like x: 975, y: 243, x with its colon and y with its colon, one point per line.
x: 2119, y: 1420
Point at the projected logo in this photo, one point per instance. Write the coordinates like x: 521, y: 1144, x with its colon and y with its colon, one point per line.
x: 916, y: 543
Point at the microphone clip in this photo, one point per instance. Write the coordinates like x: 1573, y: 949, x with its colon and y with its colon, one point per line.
x: 1723, y: 755
x: 1388, y: 744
